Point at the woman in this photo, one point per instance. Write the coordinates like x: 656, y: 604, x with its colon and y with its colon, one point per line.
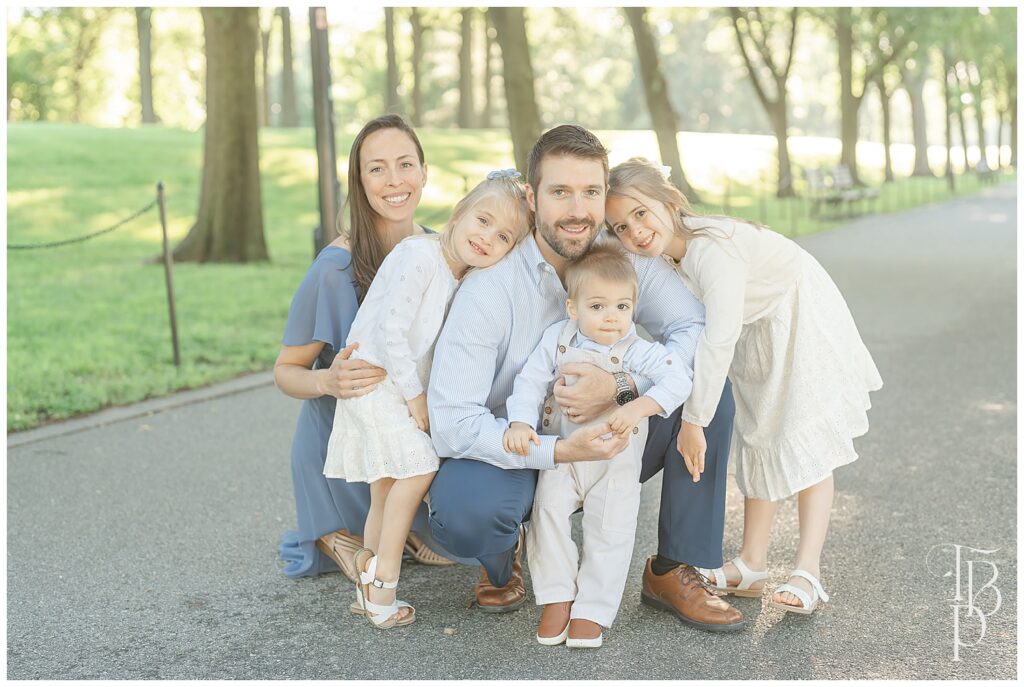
x: 386, y: 175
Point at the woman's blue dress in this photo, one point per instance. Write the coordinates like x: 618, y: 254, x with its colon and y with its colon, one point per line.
x: 322, y: 310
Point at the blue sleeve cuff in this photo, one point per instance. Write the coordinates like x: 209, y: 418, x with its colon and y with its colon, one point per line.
x: 542, y: 457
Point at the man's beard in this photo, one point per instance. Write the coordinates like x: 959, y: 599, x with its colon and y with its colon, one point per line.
x: 570, y: 249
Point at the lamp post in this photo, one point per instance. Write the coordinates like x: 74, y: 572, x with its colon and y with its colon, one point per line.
x: 328, y: 186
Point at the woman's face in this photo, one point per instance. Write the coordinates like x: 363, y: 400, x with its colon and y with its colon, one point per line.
x: 392, y: 175
x: 641, y: 223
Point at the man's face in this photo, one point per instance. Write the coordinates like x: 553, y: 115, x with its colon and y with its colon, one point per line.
x: 569, y: 204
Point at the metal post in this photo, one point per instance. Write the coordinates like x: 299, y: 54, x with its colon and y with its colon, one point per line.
x: 328, y: 185
x: 167, y: 273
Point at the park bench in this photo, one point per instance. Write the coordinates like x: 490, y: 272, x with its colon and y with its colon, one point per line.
x: 986, y: 174
x: 842, y: 180
x: 822, y: 192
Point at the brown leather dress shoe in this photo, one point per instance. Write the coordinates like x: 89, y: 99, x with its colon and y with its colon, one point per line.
x: 512, y: 596
x: 553, y: 627
x: 685, y: 593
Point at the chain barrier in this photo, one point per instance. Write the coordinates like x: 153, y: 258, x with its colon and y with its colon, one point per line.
x: 53, y: 244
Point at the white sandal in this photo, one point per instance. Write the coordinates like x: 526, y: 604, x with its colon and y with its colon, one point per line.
x: 381, y: 617
x: 747, y: 578
x: 809, y: 603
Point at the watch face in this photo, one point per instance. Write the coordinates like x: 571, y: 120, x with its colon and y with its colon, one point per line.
x: 624, y: 397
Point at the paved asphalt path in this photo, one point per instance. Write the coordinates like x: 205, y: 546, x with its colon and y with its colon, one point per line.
x: 146, y: 548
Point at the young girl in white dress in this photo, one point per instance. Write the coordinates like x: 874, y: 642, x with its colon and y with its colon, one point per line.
x: 778, y: 327
x: 382, y: 437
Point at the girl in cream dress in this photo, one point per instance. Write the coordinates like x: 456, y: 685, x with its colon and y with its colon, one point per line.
x: 780, y: 329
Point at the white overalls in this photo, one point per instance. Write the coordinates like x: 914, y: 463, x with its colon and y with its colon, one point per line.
x: 608, y: 491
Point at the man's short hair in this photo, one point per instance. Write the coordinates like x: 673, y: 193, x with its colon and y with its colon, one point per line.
x: 569, y: 140
x: 604, y: 261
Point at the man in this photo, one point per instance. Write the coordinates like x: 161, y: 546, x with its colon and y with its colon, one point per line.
x: 482, y: 494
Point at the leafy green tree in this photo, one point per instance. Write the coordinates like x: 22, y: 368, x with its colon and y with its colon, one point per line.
x: 665, y: 126
x: 229, y: 223
x: 766, y: 60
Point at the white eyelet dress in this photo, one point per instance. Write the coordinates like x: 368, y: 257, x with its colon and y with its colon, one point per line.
x: 779, y: 327
x: 374, y: 436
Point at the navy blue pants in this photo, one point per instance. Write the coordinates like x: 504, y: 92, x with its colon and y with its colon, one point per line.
x: 476, y: 508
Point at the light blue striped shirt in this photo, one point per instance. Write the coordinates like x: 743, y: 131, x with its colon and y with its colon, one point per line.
x: 496, y: 320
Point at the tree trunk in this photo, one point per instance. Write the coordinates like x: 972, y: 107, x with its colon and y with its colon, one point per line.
x: 394, y: 104
x: 885, y: 96
x: 143, y: 23
x: 264, y: 90
x: 979, y: 122
x: 465, y: 118
x: 947, y: 92
x: 655, y: 89
x: 913, y: 83
x: 780, y: 124
x: 523, y: 115
x: 229, y: 224
x: 963, y: 134
x: 1001, y: 117
x: 1011, y: 79
x: 849, y: 103
x: 417, y: 59
x: 487, y: 112
x: 289, y: 101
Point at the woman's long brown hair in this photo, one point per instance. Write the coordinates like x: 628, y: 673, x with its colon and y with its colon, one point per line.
x: 366, y: 243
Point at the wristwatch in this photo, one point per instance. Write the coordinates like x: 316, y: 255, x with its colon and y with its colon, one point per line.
x: 623, y: 393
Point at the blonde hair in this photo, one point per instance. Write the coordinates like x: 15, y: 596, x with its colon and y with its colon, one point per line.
x: 606, y: 261
x: 641, y: 175
x: 512, y: 196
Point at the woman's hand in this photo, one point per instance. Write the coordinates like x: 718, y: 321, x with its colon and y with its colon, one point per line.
x: 418, y: 410
x: 589, y: 397
x: 692, y: 446
x: 347, y: 378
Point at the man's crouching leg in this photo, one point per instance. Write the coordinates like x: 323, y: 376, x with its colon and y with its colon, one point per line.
x: 477, y: 511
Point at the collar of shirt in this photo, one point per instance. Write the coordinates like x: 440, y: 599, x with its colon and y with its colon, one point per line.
x: 535, y: 261
x: 588, y: 344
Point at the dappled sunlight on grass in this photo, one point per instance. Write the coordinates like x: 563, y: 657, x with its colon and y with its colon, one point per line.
x: 87, y: 322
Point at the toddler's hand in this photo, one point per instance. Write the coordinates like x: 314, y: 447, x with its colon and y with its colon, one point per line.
x: 518, y: 437
x: 418, y: 410
x: 624, y: 419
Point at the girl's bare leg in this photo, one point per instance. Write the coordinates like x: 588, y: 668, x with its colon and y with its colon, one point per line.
x: 758, y: 516
x: 403, y: 499
x: 815, y: 507
x: 375, y: 516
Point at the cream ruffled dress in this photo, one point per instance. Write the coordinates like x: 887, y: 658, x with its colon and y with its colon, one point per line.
x: 778, y: 326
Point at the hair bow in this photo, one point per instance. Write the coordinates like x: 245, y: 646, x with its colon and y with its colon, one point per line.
x: 503, y: 174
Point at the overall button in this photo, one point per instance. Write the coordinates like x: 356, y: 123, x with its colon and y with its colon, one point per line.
x: 615, y: 361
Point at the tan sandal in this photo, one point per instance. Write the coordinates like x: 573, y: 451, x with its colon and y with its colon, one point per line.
x: 421, y: 553
x: 341, y: 547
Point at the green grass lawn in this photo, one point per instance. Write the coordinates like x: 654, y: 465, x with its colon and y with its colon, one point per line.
x: 88, y: 323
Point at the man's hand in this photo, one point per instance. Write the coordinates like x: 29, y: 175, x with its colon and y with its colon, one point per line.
x: 418, y: 410
x: 518, y: 437
x: 692, y: 445
x: 347, y: 378
x: 590, y: 396
x: 594, y: 442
